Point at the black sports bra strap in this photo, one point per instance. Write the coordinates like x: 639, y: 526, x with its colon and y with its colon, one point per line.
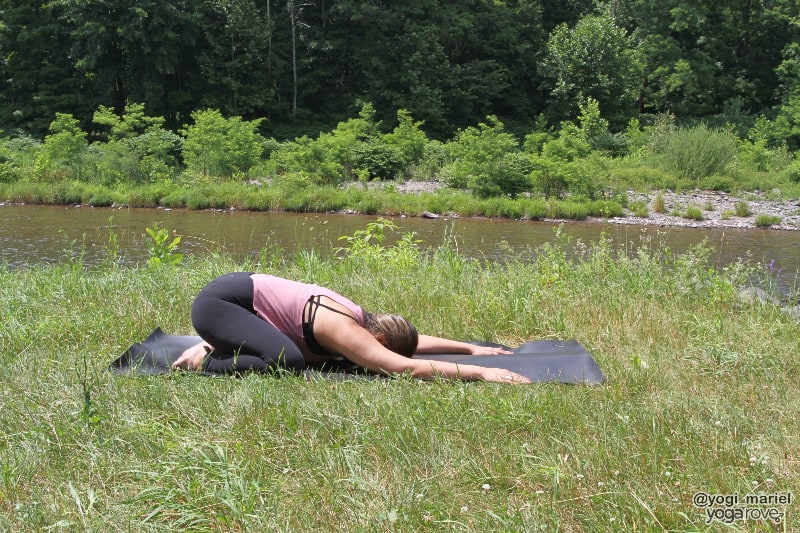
x: 309, y: 315
x: 316, y: 302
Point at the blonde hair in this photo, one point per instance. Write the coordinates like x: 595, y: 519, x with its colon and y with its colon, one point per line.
x: 401, y: 335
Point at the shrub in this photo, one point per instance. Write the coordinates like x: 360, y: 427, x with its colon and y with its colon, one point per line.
x: 476, y: 153
x: 218, y: 146
x: 639, y: 209
x: 766, y: 221
x: 582, y: 178
x: 379, y: 159
x: 717, y: 183
x: 62, y: 152
x: 433, y: 160
x: 535, y: 141
x: 697, y: 152
x: 568, y: 146
x: 511, y: 177
x: 792, y: 172
x: 639, y: 177
x: 742, y: 208
x: 8, y: 172
x: 658, y: 205
x: 549, y: 178
x: 407, y: 138
x: 693, y: 213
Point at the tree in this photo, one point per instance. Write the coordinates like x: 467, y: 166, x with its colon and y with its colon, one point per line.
x: 295, y: 11
x: 236, y: 63
x: 138, y: 149
x: 701, y: 57
x: 485, y: 159
x: 140, y: 51
x: 132, y: 122
x: 592, y: 60
x: 39, y: 75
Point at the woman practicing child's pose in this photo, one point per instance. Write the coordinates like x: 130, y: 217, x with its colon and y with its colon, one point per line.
x: 258, y: 321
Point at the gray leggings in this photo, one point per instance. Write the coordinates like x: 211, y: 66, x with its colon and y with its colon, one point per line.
x: 223, y: 315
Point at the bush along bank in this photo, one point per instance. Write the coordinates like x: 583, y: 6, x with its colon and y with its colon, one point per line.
x: 568, y: 171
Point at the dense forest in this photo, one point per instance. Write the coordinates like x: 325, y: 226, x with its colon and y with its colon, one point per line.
x: 305, y: 65
x: 114, y: 102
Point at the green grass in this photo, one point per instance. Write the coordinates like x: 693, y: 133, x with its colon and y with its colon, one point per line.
x: 766, y: 221
x: 693, y: 213
x: 701, y: 396
x: 742, y: 208
x: 309, y: 199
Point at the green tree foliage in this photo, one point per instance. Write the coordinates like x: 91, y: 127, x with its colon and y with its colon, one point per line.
x: 356, y: 148
x: 447, y: 63
x: 786, y: 127
x: 353, y: 149
x: 17, y: 157
x: 142, y: 51
x: 139, y: 149
x: 39, y: 76
x: 307, y: 66
x: 234, y: 61
x: 220, y: 147
x: 594, y: 129
x: 787, y: 123
x: 132, y: 122
x: 63, y: 150
x: 408, y: 138
x: 594, y: 59
x: 702, y: 56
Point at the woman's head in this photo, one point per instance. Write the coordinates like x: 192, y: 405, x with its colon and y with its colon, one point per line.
x: 394, y: 331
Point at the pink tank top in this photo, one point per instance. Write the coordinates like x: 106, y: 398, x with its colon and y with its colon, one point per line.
x: 281, y: 301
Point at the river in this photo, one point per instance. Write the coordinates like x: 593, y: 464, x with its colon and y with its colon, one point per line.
x: 32, y: 235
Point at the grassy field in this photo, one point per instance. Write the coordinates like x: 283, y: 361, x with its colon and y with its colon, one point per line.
x: 701, y: 398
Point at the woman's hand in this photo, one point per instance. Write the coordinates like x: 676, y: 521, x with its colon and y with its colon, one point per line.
x: 501, y: 375
x: 192, y: 358
x: 488, y: 350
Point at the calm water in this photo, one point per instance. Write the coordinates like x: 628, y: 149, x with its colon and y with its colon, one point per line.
x: 47, y: 234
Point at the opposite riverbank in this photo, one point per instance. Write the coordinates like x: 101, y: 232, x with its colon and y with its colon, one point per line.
x: 691, y: 209
x: 718, y: 209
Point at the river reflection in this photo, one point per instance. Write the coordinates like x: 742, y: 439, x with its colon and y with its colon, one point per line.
x: 49, y: 234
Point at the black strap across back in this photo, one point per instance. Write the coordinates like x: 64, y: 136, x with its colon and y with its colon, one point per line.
x: 309, y: 315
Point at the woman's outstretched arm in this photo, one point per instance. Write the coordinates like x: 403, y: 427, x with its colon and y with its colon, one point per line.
x: 429, y: 344
x: 343, y: 336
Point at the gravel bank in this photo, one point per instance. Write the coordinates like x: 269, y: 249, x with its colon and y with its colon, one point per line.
x: 718, y: 208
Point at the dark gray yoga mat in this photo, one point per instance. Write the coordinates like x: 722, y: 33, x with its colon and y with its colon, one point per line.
x: 542, y: 361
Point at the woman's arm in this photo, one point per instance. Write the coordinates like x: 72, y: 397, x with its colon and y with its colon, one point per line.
x: 344, y: 336
x: 429, y: 344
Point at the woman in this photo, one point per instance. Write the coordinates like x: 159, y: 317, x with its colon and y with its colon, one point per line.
x: 258, y: 321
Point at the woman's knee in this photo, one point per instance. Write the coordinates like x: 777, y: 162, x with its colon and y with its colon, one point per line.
x: 291, y: 358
